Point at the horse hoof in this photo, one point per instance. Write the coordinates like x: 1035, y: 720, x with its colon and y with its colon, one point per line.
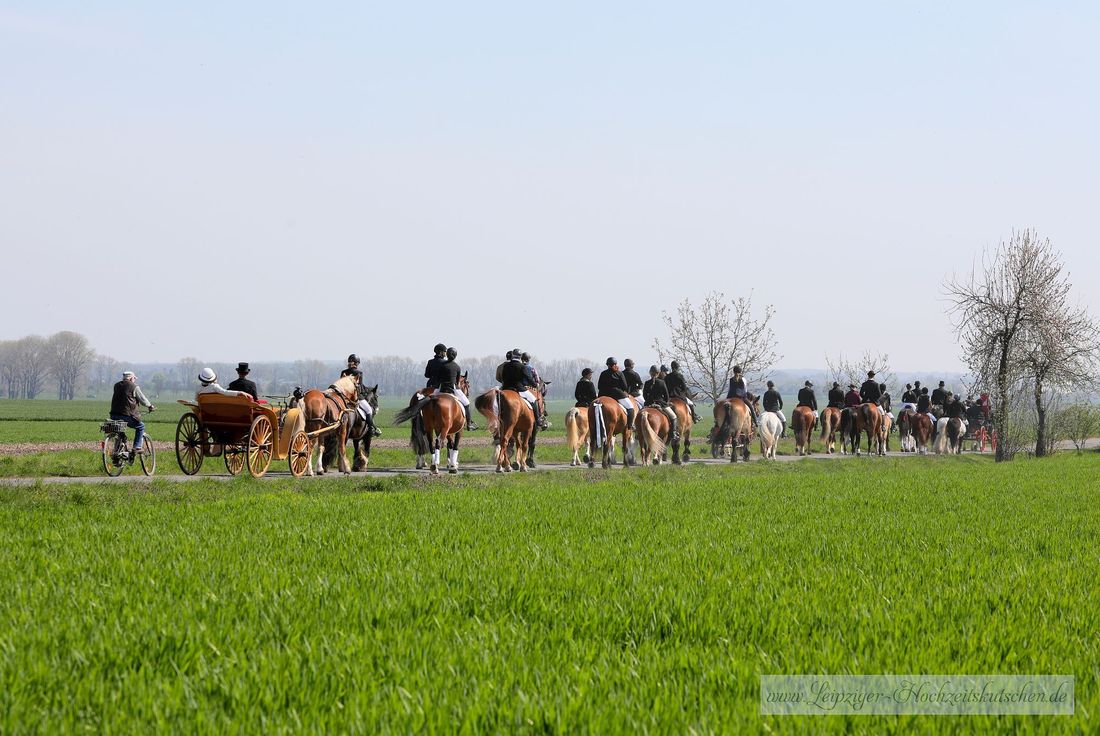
x: 500, y: 469
x: 434, y: 470
x: 515, y: 466
x: 452, y: 471
x: 591, y: 464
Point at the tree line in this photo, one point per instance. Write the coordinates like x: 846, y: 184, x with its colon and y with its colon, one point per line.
x: 29, y: 364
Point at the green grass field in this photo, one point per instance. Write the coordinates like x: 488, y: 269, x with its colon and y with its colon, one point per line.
x: 649, y: 600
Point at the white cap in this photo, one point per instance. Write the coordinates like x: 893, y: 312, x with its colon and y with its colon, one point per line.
x: 128, y: 374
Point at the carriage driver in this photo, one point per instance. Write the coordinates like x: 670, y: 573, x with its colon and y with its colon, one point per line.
x: 124, y: 407
x: 448, y: 384
x: 612, y: 384
x: 773, y: 402
x: 242, y: 383
x: 656, y: 394
x: 739, y: 391
x: 513, y: 377
x: 677, y: 388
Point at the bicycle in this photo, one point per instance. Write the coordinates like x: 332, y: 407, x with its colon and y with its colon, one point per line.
x: 117, y: 455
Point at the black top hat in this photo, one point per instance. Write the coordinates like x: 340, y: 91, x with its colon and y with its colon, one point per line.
x: 809, y: 385
x: 870, y: 374
x: 664, y: 368
x: 242, y: 367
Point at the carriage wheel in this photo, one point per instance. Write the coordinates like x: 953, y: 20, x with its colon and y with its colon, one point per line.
x: 259, y: 446
x: 189, y: 443
x: 112, y: 443
x: 234, y: 459
x: 148, y: 457
x: 299, y: 454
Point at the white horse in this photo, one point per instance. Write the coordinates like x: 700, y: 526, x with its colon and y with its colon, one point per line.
x: 770, y: 427
x: 949, y: 434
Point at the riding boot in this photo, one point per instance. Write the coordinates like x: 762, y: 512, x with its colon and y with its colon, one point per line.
x: 374, y: 431
x: 470, y: 426
x: 630, y: 417
x: 675, y: 428
x: 783, y: 432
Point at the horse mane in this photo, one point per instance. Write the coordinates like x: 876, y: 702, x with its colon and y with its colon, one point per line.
x: 347, y: 386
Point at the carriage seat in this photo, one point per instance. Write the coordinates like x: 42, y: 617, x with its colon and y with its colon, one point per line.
x: 219, y: 410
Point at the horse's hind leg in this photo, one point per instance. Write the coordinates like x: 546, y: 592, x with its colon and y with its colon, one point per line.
x: 435, y: 445
x: 452, y: 454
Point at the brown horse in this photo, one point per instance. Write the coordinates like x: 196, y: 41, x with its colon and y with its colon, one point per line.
x: 884, y: 431
x: 653, y: 429
x: 803, y: 421
x: 576, y: 433
x: 325, y: 409
x: 949, y: 434
x: 437, y: 419
x: 683, y: 419
x: 732, y: 423
x: 857, y: 420
x: 830, y: 425
x: 606, y: 418
x: 512, y: 423
x: 922, y: 432
x: 905, y: 429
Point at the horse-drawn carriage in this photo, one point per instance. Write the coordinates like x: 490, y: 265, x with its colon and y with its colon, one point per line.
x: 244, y: 433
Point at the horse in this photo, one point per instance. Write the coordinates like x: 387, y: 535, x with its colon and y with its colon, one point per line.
x: 732, y: 422
x: 921, y: 427
x: 886, y: 427
x: 856, y: 420
x: 830, y: 425
x: 949, y: 434
x: 437, y: 419
x: 905, y: 430
x: 683, y: 419
x: 576, y: 433
x: 359, y: 433
x: 512, y: 423
x: 653, y: 428
x: 770, y: 427
x: 606, y: 418
x: 803, y: 421
x: 324, y: 409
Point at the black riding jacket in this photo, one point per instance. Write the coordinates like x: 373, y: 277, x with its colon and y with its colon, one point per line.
x: 633, y: 381
x: 923, y: 403
x: 884, y: 401
x: 909, y: 397
x: 612, y: 384
x: 772, y: 400
x: 954, y: 409
x: 836, y: 398
x: 512, y: 377
x: 585, y: 392
x: 737, y: 388
x: 939, y: 396
x: 676, y: 384
x: 243, y: 384
x: 870, y: 391
x: 655, y: 392
x: 806, y: 397
x: 431, y: 371
x: 448, y: 374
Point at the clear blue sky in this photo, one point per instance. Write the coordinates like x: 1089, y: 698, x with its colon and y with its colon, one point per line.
x: 267, y: 181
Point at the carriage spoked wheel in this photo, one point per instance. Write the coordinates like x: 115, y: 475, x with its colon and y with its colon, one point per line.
x: 299, y: 454
x: 258, y: 453
x: 234, y: 459
x: 189, y: 443
x: 112, y: 463
x: 148, y: 456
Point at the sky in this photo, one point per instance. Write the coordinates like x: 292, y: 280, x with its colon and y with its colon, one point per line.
x: 270, y: 181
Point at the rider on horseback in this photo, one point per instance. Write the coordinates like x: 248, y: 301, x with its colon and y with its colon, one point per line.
x: 773, y: 402
x: 656, y: 394
x: 940, y: 395
x: 365, y: 409
x: 448, y: 375
x: 870, y: 392
x: 924, y: 406
x: 806, y: 396
x: 431, y: 370
x: 612, y: 384
x: 585, y: 392
x: 515, y: 378
x: 677, y: 388
x: 633, y: 382
x: 908, y: 396
x: 738, y: 391
x: 836, y: 396
x: 884, y: 398
x: 852, y: 398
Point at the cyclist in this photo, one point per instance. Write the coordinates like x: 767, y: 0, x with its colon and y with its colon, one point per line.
x: 124, y: 407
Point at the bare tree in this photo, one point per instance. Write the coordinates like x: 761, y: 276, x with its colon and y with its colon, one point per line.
x: 68, y: 354
x: 844, y: 371
x: 105, y: 371
x: 994, y: 306
x: 709, y: 339
x: 9, y: 371
x: 31, y: 365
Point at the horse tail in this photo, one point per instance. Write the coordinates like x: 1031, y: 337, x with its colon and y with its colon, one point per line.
x: 572, y: 432
x: 503, y: 412
x: 954, y: 431
x: 941, y: 441
x: 407, y: 413
x: 726, y: 427
x: 826, y: 419
x: 648, y: 437
x: 486, y: 404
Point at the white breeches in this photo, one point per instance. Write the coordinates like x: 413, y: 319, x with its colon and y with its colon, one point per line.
x: 908, y: 405
x: 627, y: 404
x: 366, y: 408
x: 526, y: 396
x: 461, y: 397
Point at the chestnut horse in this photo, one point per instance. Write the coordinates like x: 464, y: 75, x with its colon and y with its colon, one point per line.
x: 830, y: 425
x: 857, y: 420
x: 733, y: 423
x: 513, y: 425
x: 803, y: 421
x: 606, y: 418
x: 576, y: 433
x: 437, y: 419
x: 653, y: 428
x: 922, y: 431
x: 683, y: 420
x: 324, y: 409
x: 885, y: 428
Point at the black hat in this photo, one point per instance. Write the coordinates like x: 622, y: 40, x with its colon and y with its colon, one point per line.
x: 628, y: 363
x: 653, y: 369
x: 524, y: 357
x: 675, y: 365
x: 809, y: 385
x: 916, y: 383
x: 664, y: 368
x: 941, y: 383
x: 440, y: 347
x: 452, y: 353
x: 586, y: 372
x: 870, y: 374
x: 508, y: 355
x: 836, y: 385
x: 353, y: 358
x: 771, y: 385
x: 610, y: 362
x: 737, y: 369
x: 516, y: 352
x: 908, y: 385
x: 242, y: 367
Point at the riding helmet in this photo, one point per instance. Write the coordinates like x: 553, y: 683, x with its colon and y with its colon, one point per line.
x: 207, y: 375
x: 353, y: 358
x: 452, y: 353
x: 653, y: 370
x: 524, y: 357
x: 771, y: 384
x: 664, y: 368
x: 440, y: 347
x: 586, y: 372
x: 737, y: 369
x: 628, y: 363
x: 675, y: 365
x: 610, y: 362
x: 809, y: 385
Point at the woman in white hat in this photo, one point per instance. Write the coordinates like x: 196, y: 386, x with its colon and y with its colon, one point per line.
x: 209, y: 380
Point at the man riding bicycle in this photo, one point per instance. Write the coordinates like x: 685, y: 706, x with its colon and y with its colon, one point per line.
x: 125, y: 401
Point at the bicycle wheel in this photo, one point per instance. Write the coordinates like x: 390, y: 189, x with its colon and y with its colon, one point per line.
x: 113, y: 444
x: 148, y: 457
